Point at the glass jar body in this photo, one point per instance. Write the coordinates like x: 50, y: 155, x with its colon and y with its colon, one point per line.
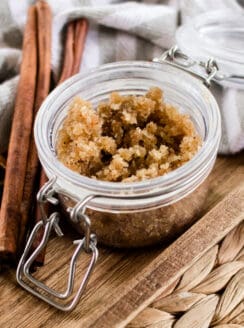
x: 140, y: 229
x: 146, y: 212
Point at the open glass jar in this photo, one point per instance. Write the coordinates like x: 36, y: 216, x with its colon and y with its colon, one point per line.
x: 151, y: 211
x: 116, y: 213
x: 142, y: 213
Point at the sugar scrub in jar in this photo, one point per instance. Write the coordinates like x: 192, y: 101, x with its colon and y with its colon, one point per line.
x: 131, y: 202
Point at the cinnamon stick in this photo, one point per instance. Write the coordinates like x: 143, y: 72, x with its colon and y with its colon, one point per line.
x: 66, y: 72
x: 44, y: 21
x: 81, y: 27
x: 19, y: 143
x: 68, y: 53
x: 74, y: 45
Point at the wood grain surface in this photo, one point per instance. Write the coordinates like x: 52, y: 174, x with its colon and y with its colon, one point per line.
x: 126, y: 281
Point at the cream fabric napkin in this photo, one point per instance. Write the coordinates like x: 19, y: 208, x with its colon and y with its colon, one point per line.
x: 118, y: 30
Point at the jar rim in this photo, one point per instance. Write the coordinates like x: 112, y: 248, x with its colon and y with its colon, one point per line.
x: 146, y: 188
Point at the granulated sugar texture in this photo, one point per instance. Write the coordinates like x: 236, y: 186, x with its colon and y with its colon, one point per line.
x: 127, y: 139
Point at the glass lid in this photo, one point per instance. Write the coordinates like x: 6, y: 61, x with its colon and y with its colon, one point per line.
x: 217, y: 34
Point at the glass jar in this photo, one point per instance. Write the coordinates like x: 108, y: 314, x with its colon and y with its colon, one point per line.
x: 138, y: 213
x: 218, y: 34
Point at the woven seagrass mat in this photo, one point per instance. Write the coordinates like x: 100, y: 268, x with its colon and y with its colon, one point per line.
x: 209, y: 294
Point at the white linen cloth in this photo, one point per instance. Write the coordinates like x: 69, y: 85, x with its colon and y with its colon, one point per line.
x: 118, y: 30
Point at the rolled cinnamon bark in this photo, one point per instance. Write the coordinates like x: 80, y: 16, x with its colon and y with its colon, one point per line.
x: 68, y: 53
x: 81, y: 28
x: 44, y: 22
x: 10, y: 217
x: 74, y: 45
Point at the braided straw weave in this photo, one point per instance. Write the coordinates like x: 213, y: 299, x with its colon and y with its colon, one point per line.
x: 209, y: 294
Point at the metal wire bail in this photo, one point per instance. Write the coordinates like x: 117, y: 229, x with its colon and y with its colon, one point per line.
x: 175, y: 57
x: 87, y: 244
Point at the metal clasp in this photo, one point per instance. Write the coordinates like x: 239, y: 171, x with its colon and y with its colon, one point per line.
x: 176, y: 58
x: 87, y: 244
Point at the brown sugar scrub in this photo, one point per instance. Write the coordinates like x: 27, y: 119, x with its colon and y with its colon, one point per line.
x: 150, y: 227
x: 129, y: 138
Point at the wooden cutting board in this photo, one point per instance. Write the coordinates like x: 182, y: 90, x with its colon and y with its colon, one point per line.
x: 126, y: 281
